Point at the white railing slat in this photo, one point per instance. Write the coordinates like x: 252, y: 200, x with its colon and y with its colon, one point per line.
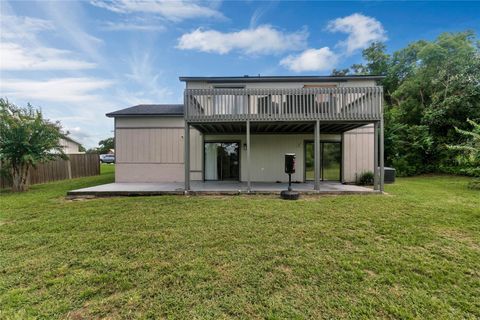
x: 340, y: 103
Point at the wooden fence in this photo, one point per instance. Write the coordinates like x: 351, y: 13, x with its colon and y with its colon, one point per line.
x: 78, y: 165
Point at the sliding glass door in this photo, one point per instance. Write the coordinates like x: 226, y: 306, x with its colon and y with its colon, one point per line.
x: 331, y: 161
x: 222, y: 161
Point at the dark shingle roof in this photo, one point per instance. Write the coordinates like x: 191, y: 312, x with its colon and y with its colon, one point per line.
x: 282, y: 78
x: 149, y: 110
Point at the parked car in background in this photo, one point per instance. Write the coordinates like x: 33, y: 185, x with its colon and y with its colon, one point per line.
x: 107, y: 158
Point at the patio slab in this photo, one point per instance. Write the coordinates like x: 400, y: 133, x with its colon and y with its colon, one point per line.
x: 213, y: 188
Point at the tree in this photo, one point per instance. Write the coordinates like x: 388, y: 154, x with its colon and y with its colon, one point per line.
x: 469, y: 150
x: 105, y: 145
x: 430, y: 88
x: 377, y: 61
x: 340, y: 72
x: 26, y: 139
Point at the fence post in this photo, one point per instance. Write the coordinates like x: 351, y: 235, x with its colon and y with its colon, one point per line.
x: 69, y: 168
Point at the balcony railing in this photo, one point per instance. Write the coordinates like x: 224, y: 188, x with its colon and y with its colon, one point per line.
x: 334, y: 104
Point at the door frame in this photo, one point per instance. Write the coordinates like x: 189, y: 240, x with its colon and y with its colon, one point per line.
x: 321, y: 158
x: 239, y: 142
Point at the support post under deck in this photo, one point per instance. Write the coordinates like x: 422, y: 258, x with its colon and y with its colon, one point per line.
x: 375, y: 157
x: 249, y: 183
x: 187, y: 156
x: 317, y: 155
x: 382, y: 156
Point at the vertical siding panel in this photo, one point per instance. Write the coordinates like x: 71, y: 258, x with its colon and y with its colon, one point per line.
x: 127, y: 150
x: 161, y: 149
x: 134, y: 150
x: 181, y: 147
x: 174, y: 145
x: 163, y: 145
x: 170, y: 146
x: 155, y: 145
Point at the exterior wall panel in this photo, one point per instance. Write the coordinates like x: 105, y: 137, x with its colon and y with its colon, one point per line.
x: 267, y: 154
x: 70, y: 147
x: 358, y: 147
x: 151, y: 149
x: 148, y: 172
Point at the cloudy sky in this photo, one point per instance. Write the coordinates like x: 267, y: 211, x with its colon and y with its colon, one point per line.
x: 80, y: 60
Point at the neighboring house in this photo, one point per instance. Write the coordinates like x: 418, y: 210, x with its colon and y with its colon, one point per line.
x: 239, y: 128
x: 70, y: 146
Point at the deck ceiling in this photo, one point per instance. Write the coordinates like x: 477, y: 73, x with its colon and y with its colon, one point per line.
x: 275, y: 127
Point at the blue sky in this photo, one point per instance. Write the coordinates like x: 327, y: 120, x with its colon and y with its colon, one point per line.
x: 79, y: 60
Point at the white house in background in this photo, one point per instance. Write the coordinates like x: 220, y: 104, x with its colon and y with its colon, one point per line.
x: 70, y: 146
x: 239, y: 128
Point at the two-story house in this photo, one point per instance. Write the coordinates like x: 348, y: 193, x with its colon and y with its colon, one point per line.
x: 239, y: 128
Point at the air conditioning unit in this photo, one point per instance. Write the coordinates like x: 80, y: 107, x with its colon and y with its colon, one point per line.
x: 389, y: 174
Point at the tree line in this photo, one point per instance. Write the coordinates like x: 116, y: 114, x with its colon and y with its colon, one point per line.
x: 432, y: 90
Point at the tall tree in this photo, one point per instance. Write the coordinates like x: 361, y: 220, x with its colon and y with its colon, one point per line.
x: 469, y: 149
x: 26, y: 139
x: 430, y: 88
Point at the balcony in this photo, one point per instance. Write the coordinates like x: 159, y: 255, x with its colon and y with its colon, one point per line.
x: 356, y: 104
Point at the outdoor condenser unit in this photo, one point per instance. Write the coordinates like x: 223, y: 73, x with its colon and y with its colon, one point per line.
x: 389, y: 175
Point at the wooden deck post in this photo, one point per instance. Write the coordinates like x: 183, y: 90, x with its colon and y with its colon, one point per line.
x: 187, y: 156
x: 317, y: 155
x: 375, y: 156
x: 249, y: 183
x: 342, y: 163
x: 382, y: 159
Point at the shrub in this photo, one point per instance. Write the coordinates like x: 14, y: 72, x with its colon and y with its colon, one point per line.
x: 26, y: 139
x: 366, y: 178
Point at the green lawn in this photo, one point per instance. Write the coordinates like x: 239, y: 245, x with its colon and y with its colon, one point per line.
x: 414, y: 253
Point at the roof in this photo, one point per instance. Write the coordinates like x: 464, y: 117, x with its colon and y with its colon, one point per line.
x: 282, y: 78
x: 69, y: 138
x: 149, y: 110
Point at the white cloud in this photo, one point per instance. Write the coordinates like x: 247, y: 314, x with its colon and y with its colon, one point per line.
x: 132, y: 26
x: 261, y: 40
x: 258, y: 14
x: 20, y: 48
x: 78, y: 134
x: 311, y: 60
x: 17, y: 27
x: 69, y: 90
x: 71, y: 21
x: 14, y: 56
x: 143, y: 72
x: 361, y: 30
x: 169, y: 10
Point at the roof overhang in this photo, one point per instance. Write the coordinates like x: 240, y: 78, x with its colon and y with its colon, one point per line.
x: 112, y: 115
x: 149, y: 110
x: 66, y: 137
x: 281, y: 79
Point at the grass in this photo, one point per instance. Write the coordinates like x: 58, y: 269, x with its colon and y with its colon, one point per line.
x: 330, y: 173
x: 414, y: 253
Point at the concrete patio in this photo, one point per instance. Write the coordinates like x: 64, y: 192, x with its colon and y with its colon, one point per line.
x: 214, y: 188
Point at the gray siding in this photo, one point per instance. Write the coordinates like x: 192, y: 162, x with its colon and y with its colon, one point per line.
x: 150, y: 149
x: 358, y: 152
